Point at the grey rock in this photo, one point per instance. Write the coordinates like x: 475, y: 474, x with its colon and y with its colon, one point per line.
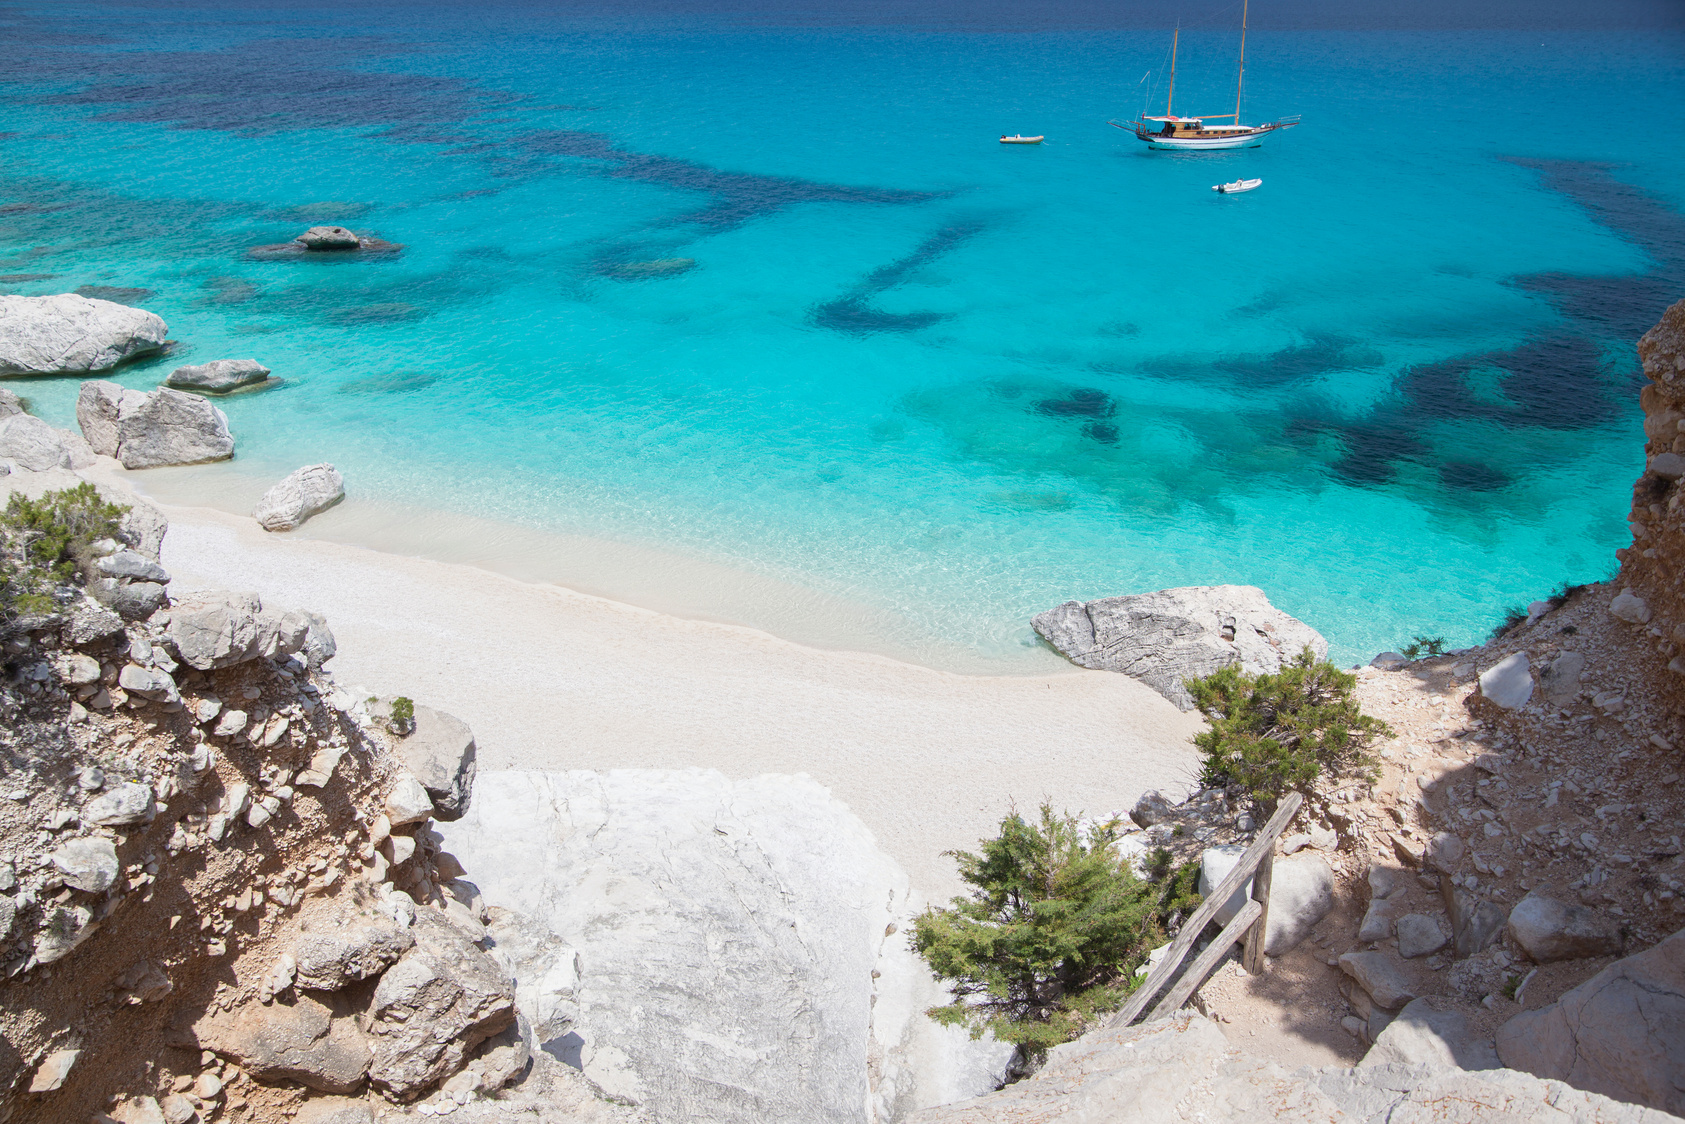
x: 10, y: 403
x: 1419, y: 935
x: 335, y: 1110
x: 1475, y: 922
x: 99, y: 405
x: 1301, y: 894
x: 144, y: 526
x: 1171, y: 635
x: 407, y: 801
x: 1389, y: 661
x: 149, y: 683
x: 90, y: 623
x: 1621, y: 1033
x: 1152, y: 808
x: 8, y: 915
x: 132, y: 565
x: 1445, y: 852
x: 76, y: 670
x: 300, y: 494
x: 1424, y: 1034
x: 334, y: 960
x: 88, y: 864
x: 68, y: 334
x: 172, y: 428
x: 1669, y: 466
x: 1548, y: 930
x: 304, y: 1038
x: 1385, y: 881
x: 430, y: 1009
x: 130, y: 600
x: 1383, y: 977
x: 67, y: 927
x: 217, y: 630
x: 1393, y: 1093
x: 319, y: 645
x: 440, y: 752
x: 328, y: 238
x: 54, y: 1069
x: 1509, y: 682
x: 219, y: 376
x: 1560, y: 679
x: 120, y: 805
x: 31, y: 443
x: 1378, y: 920
x: 1629, y: 607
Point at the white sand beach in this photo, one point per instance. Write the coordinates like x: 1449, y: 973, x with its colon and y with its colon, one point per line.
x: 553, y: 679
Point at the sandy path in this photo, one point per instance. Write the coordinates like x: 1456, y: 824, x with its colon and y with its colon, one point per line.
x: 553, y: 679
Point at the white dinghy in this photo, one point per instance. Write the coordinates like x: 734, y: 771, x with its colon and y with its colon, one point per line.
x: 1236, y: 187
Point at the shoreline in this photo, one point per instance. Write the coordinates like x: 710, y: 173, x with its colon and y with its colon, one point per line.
x: 670, y: 582
x: 554, y: 679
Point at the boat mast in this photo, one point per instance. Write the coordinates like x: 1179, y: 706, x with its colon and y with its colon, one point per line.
x: 1240, y: 75
x: 1171, y: 96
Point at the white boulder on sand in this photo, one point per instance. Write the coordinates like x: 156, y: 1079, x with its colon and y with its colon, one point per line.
x: 300, y: 494
x: 219, y: 376
x: 68, y: 334
x: 31, y: 443
x: 1170, y: 635
x: 150, y: 430
x: 714, y: 949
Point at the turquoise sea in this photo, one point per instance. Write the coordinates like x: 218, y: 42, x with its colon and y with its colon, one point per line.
x: 756, y: 284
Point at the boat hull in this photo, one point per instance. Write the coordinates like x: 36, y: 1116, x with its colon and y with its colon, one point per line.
x: 1205, y: 144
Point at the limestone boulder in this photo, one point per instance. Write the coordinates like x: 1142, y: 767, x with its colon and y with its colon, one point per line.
x: 10, y: 403
x: 99, y: 404
x: 1383, y: 976
x: 300, y: 494
x: 217, y: 630
x: 1171, y: 635
x: 88, y: 864
x: 68, y: 334
x: 440, y: 753
x: 173, y: 428
x: 328, y: 238
x: 1301, y: 894
x: 332, y: 960
x: 1426, y: 1033
x: 1419, y: 935
x: 130, y: 600
x: 1429, y: 1094
x: 1621, y: 1033
x: 305, y: 1038
x: 436, y: 1004
x: 1548, y: 930
x: 120, y: 805
x: 1509, y: 682
x: 219, y: 376
x: 31, y: 443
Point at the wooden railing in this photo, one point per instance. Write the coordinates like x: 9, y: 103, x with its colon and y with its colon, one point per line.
x: 1247, y: 925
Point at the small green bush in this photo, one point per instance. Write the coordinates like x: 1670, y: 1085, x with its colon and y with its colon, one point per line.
x: 1421, y: 646
x: 402, y: 721
x: 1052, y: 930
x: 1272, y: 733
x: 45, y: 542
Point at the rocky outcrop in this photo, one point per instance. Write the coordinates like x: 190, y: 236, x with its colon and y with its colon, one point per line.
x: 1650, y: 602
x: 1182, y: 1069
x: 300, y: 494
x: 1172, y: 635
x: 1621, y: 1033
x: 32, y: 444
x: 68, y: 334
x: 219, y: 376
x: 328, y: 238
x: 1428, y: 1034
x: 314, y: 1041
x: 165, y: 427
x: 693, y: 951
x: 440, y: 753
x: 331, y: 961
x: 217, y: 630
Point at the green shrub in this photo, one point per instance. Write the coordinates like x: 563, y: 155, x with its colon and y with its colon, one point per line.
x: 1272, y: 733
x: 1421, y: 646
x: 402, y: 721
x: 45, y: 542
x: 1051, y: 932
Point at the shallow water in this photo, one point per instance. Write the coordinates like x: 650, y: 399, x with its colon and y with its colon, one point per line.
x: 760, y: 287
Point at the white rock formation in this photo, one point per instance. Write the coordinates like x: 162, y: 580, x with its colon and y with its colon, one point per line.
x: 1509, y: 682
x: 1181, y: 1070
x: 726, y: 935
x: 33, y: 444
x: 300, y: 494
x: 1425, y: 1034
x: 328, y: 238
x: 150, y: 430
x: 1170, y: 635
x: 1621, y: 1033
x: 68, y: 334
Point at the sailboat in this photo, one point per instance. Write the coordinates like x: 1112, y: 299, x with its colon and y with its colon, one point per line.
x: 1197, y: 134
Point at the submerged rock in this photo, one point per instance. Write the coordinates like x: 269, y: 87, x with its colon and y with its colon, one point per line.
x: 219, y: 376
x: 302, y: 493
x: 328, y: 238
x: 1168, y: 636
x: 67, y: 334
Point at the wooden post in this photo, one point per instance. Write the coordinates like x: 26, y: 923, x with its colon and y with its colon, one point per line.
x: 1253, y: 959
x: 1208, y: 960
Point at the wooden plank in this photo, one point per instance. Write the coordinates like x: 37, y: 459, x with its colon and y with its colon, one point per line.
x: 1195, y: 975
x: 1253, y: 959
x: 1202, y: 916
